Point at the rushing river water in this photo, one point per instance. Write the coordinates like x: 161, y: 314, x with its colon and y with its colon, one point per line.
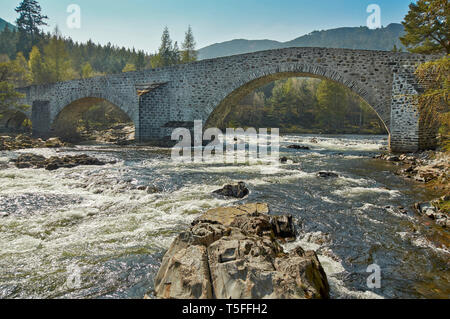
x: 89, y: 232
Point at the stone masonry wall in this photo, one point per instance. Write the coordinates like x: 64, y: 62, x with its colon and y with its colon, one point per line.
x: 193, y: 91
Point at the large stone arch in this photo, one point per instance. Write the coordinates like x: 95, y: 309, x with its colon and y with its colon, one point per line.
x: 247, y: 83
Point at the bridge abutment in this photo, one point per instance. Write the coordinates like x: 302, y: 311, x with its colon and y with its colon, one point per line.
x: 408, y: 134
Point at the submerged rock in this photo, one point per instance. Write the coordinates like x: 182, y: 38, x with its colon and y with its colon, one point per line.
x: 239, y: 257
x: 239, y: 190
x: 327, y: 175
x: 299, y: 147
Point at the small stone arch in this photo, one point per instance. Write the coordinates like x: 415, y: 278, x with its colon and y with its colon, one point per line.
x: 105, y: 95
x: 65, y: 123
x: 248, y: 82
x: 14, y: 121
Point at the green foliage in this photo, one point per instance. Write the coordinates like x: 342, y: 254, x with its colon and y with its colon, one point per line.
x: 30, y: 17
x: 434, y: 103
x: 9, y: 76
x: 129, y: 68
x: 36, y: 66
x: 301, y: 105
x: 57, y: 63
x: 28, y: 23
x: 87, y: 71
x: 426, y: 26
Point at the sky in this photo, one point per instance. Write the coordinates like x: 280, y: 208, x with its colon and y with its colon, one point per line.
x: 139, y: 23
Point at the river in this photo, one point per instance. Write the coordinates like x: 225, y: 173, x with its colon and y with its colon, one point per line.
x: 94, y: 222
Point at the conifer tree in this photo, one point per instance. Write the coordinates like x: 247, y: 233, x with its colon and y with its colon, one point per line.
x: 426, y: 26
x: 29, y: 20
x: 165, y: 50
x: 189, y: 54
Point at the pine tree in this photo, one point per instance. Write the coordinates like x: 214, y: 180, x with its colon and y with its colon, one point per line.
x: 30, y: 17
x: 189, y: 54
x: 165, y: 50
x: 426, y: 26
x: 176, y: 55
x: 28, y: 23
x: 8, y: 42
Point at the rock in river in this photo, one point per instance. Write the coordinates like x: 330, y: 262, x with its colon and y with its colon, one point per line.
x: 237, y: 191
x: 54, y: 162
x: 238, y: 257
x: 327, y: 175
x: 299, y: 147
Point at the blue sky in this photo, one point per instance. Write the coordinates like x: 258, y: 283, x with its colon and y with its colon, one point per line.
x: 139, y: 23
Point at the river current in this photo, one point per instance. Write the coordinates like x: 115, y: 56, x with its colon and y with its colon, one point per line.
x: 91, y: 232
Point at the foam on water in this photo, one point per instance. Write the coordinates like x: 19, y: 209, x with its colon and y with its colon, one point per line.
x: 97, y: 218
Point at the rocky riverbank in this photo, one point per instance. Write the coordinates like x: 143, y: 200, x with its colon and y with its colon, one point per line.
x: 11, y: 143
x: 432, y: 169
x: 235, y: 253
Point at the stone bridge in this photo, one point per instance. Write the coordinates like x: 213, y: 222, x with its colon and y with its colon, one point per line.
x: 158, y: 100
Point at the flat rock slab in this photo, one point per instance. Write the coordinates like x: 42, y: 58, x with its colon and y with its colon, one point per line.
x: 227, y: 215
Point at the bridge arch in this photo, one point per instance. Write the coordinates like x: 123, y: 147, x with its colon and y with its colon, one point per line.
x: 66, y: 123
x: 106, y: 95
x: 243, y: 85
x: 14, y: 121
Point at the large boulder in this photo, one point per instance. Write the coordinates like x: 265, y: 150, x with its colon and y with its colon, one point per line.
x: 239, y: 190
x: 239, y: 259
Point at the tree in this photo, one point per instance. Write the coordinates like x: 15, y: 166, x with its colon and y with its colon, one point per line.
x: 434, y: 103
x: 140, y: 60
x: 30, y: 17
x: 426, y: 26
x: 189, y: 53
x: 28, y: 23
x: 9, y: 97
x: 39, y: 75
x: 56, y: 60
x: 8, y: 41
x: 175, y: 54
x: 332, y: 105
x: 165, y: 50
x: 129, y: 67
x: 21, y: 72
x: 87, y: 71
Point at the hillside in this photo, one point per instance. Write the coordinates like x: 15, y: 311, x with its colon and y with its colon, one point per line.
x: 348, y: 38
x: 4, y: 23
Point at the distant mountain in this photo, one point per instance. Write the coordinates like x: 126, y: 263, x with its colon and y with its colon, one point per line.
x: 4, y: 23
x: 347, y: 38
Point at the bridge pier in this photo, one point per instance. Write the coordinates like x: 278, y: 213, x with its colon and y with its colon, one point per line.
x: 40, y: 119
